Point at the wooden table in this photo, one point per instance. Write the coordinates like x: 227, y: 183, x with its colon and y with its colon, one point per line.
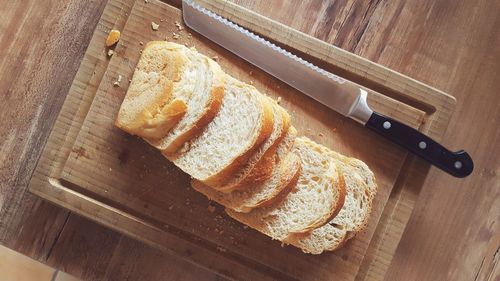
x: 453, y: 233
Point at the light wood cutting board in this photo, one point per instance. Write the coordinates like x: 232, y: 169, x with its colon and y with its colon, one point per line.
x: 94, y: 169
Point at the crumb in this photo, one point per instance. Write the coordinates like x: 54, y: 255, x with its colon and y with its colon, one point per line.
x: 171, y: 207
x: 141, y: 43
x: 245, y: 226
x: 187, y: 202
x: 110, y: 169
x: 117, y: 82
x: 250, y: 72
x: 113, y: 37
x: 154, y: 26
x: 161, y: 20
x: 221, y: 232
x: 146, y: 1
x: 320, y: 134
x: 179, y: 26
x: 110, y: 52
x: 129, y: 80
x: 176, y: 36
x: 105, y: 191
x: 189, y: 35
x: 251, y: 82
x: 219, y: 248
x: 278, y: 100
x: 215, y: 58
x: 211, y: 208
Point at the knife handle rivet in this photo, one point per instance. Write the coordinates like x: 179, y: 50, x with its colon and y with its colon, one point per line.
x: 422, y: 145
x: 457, y: 164
x: 387, y: 125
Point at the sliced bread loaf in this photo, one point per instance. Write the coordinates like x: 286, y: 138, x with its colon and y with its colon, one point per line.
x: 149, y: 108
x: 284, y: 176
x: 244, y: 121
x: 315, y: 200
x: 353, y: 216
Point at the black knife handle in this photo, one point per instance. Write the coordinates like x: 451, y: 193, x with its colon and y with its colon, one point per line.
x: 458, y: 164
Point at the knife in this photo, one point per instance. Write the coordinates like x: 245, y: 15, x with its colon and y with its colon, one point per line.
x: 339, y: 94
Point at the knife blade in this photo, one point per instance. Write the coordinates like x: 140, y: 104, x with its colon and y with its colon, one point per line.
x: 339, y: 94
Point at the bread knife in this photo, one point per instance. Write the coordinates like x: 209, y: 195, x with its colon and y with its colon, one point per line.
x: 339, y: 94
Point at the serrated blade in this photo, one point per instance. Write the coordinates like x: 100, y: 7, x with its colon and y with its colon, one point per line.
x: 331, y: 90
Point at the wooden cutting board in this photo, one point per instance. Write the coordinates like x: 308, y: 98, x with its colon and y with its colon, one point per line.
x: 98, y: 171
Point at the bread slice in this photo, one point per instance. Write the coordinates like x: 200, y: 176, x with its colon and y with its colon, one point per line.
x: 149, y: 108
x: 260, y: 166
x: 284, y: 176
x: 315, y: 200
x: 326, y: 238
x: 201, y: 88
x: 244, y: 121
x: 354, y: 215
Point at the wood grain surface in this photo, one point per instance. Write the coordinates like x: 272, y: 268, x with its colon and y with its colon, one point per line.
x: 98, y: 171
x: 452, y: 45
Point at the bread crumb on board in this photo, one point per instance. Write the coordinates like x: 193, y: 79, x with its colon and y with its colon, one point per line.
x: 110, y: 52
x: 113, y: 37
x: 175, y: 36
x: 154, y: 26
x: 117, y: 82
x: 215, y: 58
x: 179, y: 26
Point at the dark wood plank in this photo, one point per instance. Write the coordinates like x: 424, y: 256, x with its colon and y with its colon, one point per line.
x: 453, y: 46
x: 84, y: 249
x: 41, y: 45
x: 132, y: 260
x: 94, y: 252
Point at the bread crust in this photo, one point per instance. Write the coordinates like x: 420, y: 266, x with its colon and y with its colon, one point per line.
x: 339, y: 203
x: 211, y: 110
x: 288, y: 181
x: 287, y: 168
x: 160, y: 115
x: 263, y: 168
x: 356, y: 166
x: 225, y: 175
